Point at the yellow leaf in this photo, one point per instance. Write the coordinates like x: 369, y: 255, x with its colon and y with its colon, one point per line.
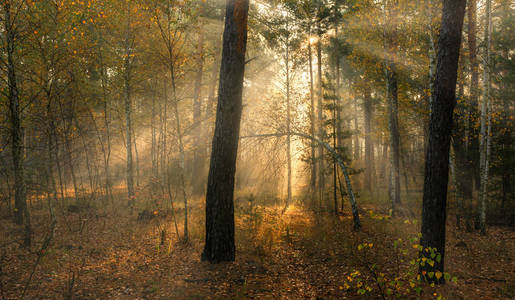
x: 438, y: 275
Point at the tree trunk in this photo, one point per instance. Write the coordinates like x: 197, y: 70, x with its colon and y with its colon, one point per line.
x: 484, y: 145
x: 128, y: 111
x: 136, y: 153
x: 470, y: 153
x: 436, y: 177
x: 288, y: 116
x: 369, y: 147
x: 321, y: 168
x: 430, y: 11
x: 313, y: 179
x: 198, y: 152
x: 357, y: 148
x: 219, y: 245
x: 393, y: 107
x: 106, y: 149
x: 21, y: 212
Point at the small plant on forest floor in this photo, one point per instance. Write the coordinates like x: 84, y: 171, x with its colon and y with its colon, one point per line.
x: 400, y: 281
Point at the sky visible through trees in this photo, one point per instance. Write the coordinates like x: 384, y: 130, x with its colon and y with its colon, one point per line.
x: 326, y: 149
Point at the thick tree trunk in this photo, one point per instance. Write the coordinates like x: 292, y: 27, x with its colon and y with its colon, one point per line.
x: 431, y: 45
x: 219, y: 245
x: 434, y: 205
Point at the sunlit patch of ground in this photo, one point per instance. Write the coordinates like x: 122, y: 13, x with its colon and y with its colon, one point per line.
x: 292, y: 254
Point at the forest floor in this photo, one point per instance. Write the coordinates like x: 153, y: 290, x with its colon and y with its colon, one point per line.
x: 97, y: 254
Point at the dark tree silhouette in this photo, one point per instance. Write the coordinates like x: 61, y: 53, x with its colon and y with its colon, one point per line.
x: 219, y: 244
x: 437, y: 157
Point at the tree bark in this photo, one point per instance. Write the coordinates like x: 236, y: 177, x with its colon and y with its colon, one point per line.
x: 288, y: 116
x: 484, y: 145
x: 393, y: 107
x: 321, y: 168
x: 21, y: 212
x: 436, y: 177
x: 219, y: 244
x: 369, y: 146
x: 313, y: 179
x: 128, y: 111
x: 198, y: 153
x: 470, y: 153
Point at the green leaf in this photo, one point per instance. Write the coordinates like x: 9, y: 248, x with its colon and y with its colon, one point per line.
x: 438, y: 258
x: 418, y: 290
x: 389, y: 291
x: 361, y: 291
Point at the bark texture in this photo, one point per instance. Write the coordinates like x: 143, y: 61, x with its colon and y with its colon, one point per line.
x: 436, y: 177
x: 219, y: 244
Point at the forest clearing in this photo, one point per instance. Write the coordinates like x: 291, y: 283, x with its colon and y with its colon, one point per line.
x: 257, y: 149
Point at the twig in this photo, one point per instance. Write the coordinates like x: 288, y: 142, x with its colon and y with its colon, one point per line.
x: 40, y: 253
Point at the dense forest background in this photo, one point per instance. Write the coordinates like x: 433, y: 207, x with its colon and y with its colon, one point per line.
x: 107, y: 117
